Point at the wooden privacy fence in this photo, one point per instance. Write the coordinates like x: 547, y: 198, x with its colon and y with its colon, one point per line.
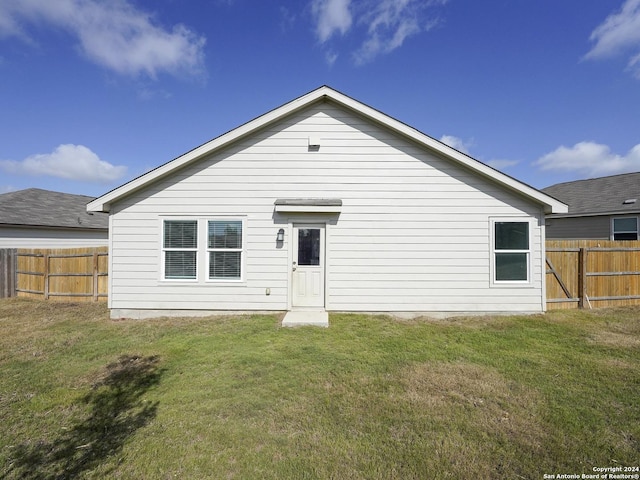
x: 592, y: 273
x: 580, y: 273
x: 78, y: 274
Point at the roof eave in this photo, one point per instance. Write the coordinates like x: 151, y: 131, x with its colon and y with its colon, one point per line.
x: 53, y: 227
x: 595, y: 214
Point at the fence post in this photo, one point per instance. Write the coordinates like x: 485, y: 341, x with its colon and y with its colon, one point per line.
x: 8, y: 259
x: 95, y: 276
x: 582, y: 278
x: 46, y: 276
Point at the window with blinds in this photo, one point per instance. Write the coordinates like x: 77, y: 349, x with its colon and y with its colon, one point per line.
x: 180, y: 247
x: 225, y: 244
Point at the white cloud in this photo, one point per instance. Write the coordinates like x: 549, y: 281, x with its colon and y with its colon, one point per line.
x: 386, y: 23
x: 464, y: 147
x: 331, y: 16
x: 456, y: 142
x: 72, y: 162
x: 287, y: 19
x: 114, y: 34
x: 331, y: 58
x: 389, y: 23
x: 620, y: 32
x: 502, y: 164
x: 590, y: 159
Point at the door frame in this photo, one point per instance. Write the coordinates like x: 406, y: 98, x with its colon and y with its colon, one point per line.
x: 303, y: 222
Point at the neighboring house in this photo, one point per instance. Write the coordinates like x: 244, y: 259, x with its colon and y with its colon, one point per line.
x: 325, y: 203
x: 35, y: 218
x: 605, y: 208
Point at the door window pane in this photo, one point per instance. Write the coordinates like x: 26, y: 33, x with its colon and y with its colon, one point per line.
x: 309, y: 246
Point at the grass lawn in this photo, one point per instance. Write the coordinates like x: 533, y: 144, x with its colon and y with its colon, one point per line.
x: 83, y: 396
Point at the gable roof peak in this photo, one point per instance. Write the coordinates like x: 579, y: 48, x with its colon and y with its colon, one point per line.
x: 103, y: 204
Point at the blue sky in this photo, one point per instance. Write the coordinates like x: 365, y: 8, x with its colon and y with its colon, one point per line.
x: 94, y: 93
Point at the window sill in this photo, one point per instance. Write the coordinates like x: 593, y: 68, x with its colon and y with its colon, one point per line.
x: 204, y: 283
x: 515, y: 284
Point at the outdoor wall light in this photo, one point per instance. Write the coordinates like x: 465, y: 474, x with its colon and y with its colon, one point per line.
x: 280, y: 236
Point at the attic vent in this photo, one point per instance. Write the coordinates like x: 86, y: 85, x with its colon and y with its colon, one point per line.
x: 314, y: 143
x: 629, y: 201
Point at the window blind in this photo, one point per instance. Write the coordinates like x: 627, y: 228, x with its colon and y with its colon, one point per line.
x: 225, y: 249
x: 180, y: 244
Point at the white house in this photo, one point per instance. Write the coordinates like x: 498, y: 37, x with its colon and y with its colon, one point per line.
x: 325, y: 204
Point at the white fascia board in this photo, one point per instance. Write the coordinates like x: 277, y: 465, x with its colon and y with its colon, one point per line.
x: 616, y: 213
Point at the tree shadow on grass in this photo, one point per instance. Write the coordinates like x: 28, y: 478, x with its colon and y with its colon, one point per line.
x: 116, y: 412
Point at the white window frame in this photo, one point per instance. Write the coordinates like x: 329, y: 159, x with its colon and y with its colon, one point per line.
x: 494, y: 252
x: 613, y: 231
x: 202, y: 250
x: 163, y: 271
x: 208, y: 250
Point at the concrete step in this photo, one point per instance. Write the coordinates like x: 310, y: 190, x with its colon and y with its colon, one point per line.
x: 298, y: 318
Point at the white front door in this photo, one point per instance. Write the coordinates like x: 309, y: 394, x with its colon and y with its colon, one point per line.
x: 307, y: 289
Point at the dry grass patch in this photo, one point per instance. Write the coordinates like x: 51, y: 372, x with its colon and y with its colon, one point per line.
x: 615, y: 339
x: 482, y: 411
x: 615, y: 333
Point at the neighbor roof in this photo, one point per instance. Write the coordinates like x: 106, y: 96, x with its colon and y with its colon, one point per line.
x: 324, y: 93
x: 43, y: 208
x: 599, y: 196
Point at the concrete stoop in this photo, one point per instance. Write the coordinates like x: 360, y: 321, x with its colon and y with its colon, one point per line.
x: 299, y: 318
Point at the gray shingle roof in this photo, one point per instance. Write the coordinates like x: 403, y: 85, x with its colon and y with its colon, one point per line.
x: 43, y: 208
x: 599, y: 195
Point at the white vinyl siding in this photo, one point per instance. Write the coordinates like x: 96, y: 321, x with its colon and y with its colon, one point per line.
x: 413, y: 234
x: 33, y: 237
